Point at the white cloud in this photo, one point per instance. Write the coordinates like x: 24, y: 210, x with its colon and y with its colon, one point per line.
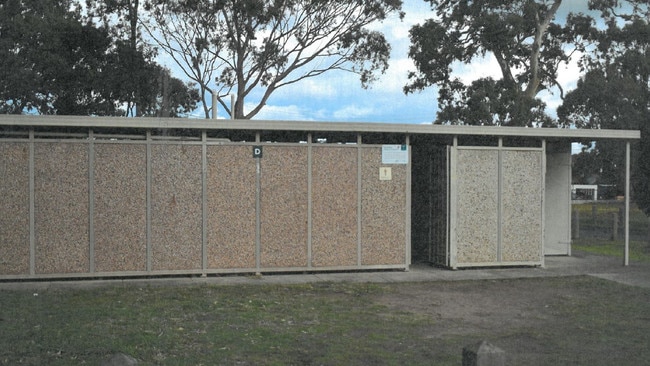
x: 353, y: 112
x: 568, y: 74
x: 396, y: 76
x: 318, y: 87
x: 275, y: 112
x: 482, y: 67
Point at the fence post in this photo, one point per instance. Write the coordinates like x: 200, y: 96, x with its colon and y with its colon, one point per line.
x: 621, y: 214
x: 594, y: 215
x: 614, y: 226
x: 576, y: 224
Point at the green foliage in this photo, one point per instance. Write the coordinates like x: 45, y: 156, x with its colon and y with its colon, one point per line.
x: 49, y: 59
x: 520, y: 34
x: 54, y: 62
x: 615, y: 90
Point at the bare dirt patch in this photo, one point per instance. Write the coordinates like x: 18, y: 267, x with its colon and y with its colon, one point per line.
x: 478, y: 305
x: 574, y: 320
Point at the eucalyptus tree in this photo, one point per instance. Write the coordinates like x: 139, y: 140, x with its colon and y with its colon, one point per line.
x: 53, y: 61
x: 138, y: 81
x: 259, y: 46
x: 614, y: 92
x: 50, y: 60
x: 522, y: 35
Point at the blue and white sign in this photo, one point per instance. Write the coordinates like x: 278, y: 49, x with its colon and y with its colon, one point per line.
x: 394, y: 154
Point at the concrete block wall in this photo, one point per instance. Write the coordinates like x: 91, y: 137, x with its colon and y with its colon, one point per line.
x: 93, y: 207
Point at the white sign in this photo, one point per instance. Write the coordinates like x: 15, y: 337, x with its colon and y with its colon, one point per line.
x: 394, y: 154
x: 385, y: 173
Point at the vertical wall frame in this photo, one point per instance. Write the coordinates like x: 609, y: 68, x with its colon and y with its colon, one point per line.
x: 310, y: 165
x: 32, y: 206
x: 359, y: 199
x: 91, y: 201
x: 407, y: 244
x: 148, y: 220
x: 204, y: 200
x: 258, y: 214
x: 452, y: 207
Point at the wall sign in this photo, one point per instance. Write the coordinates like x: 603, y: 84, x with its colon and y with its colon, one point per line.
x: 385, y: 173
x: 257, y: 151
x: 394, y: 154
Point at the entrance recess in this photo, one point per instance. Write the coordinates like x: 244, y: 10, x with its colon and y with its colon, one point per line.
x: 557, y: 228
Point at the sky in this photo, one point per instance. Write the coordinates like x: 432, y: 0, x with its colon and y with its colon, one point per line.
x: 337, y: 96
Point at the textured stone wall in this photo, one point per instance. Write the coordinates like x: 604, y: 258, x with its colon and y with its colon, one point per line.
x: 498, y: 206
x: 61, y: 207
x: 14, y: 208
x: 477, y: 203
x: 522, y: 206
x: 231, y: 188
x: 96, y: 210
x: 120, y: 203
x: 284, y: 207
x: 176, y: 205
x: 334, y: 206
x: 383, y: 211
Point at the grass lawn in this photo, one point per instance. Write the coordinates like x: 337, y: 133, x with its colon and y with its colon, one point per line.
x: 575, y: 320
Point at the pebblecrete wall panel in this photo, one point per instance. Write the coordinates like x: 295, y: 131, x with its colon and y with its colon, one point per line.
x: 127, y: 205
x: 383, y: 211
x: 14, y: 208
x: 284, y: 207
x: 231, y: 187
x: 61, y: 207
x: 477, y: 236
x: 176, y: 201
x: 522, y: 201
x: 120, y: 214
x: 334, y: 206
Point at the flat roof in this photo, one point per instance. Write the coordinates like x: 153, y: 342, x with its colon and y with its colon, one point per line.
x: 309, y: 126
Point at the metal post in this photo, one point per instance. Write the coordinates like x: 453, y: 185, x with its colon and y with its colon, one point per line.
x: 232, y: 106
x: 309, y: 199
x: 359, y: 201
x: 91, y: 201
x: 626, y: 261
x: 148, y: 200
x: 452, y: 205
x: 258, y: 208
x: 215, y: 101
x: 204, y: 198
x: 543, y: 187
x: 408, y: 202
x: 500, y: 202
x: 32, y: 205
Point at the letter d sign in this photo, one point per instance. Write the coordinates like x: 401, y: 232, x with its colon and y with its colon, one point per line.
x: 257, y: 151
